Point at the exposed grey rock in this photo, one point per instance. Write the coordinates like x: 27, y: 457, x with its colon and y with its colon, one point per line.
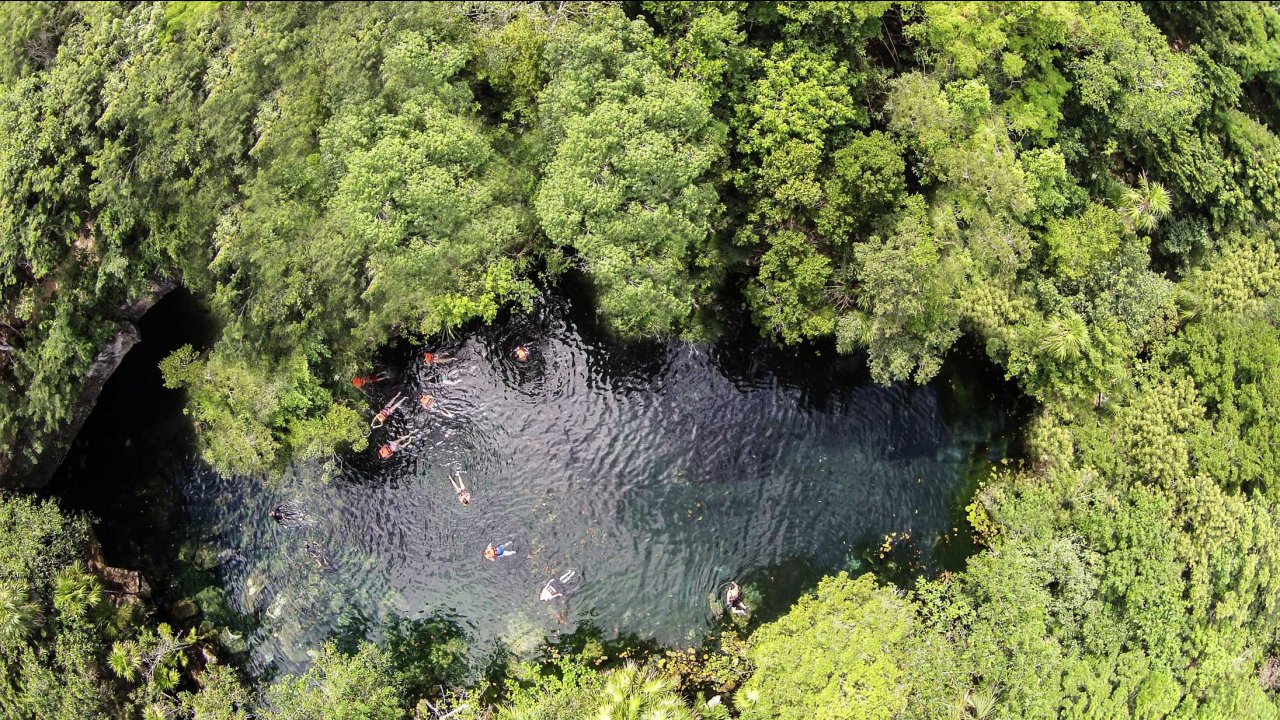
x: 22, y: 472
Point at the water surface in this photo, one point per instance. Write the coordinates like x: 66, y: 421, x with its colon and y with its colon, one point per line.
x: 659, y: 472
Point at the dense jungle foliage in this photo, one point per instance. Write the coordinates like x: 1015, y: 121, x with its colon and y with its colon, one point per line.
x: 1087, y: 190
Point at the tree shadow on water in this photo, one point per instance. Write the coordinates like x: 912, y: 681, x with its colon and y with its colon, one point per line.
x: 770, y: 591
x: 588, y: 643
x: 431, y: 654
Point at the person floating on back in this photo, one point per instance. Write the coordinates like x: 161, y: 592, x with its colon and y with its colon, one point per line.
x: 521, y: 353
x: 437, y: 358
x: 362, y: 380
x: 395, y: 446
x: 733, y: 598
x: 386, y: 411
x: 464, y: 495
x: 493, y: 552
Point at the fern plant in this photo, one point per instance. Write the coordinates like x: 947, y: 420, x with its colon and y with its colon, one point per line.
x: 631, y: 693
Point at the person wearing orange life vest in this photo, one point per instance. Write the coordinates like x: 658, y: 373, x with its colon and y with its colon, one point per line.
x: 493, y: 552
x: 386, y: 411
x: 360, y: 381
x: 429, y: 401
x: 437, y: 358
x: 395, y: 446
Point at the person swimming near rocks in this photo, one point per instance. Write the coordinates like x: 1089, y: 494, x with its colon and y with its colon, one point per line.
x: 493, y: 552
x: 733, y: 599
x: 387, y: 410
x: 360, y: 381
x: 564, y: 585
x: 460, y: 488
x: 287, y: 515
x: 437, y: 358
x: 318, y: 554
x: 395, y: 446
x: 521, y: 353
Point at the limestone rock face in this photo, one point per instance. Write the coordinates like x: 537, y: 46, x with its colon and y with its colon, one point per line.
x: 18, y: 471
x: 121, y: 584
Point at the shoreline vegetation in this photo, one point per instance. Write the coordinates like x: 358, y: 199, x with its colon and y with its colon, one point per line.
x: 1085, y: 191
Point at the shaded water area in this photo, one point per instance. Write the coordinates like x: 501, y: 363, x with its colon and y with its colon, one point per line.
x: 658, y: 472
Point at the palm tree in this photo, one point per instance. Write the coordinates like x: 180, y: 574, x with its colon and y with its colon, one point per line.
x: 631, y: 693
x: 75, y: 591
x: 1065, y: 337
x: 125, y: 660
x: 981, y: 702
x: 1146, y: 205
x: 17, y: 614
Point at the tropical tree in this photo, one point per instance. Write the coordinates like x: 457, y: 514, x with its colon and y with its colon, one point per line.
x: 627, y: 188
x: 18, y: 615
x: 834, y: 656
x: 635, y: 693
x: 1146, y: 205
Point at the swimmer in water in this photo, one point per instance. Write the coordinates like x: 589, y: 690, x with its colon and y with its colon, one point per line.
x: 442, y: 378
x: 361, y: 380
x: 464, y: 495
x: 429, y: 401
x: 521, y: 353
x: 558, y: 587
x: 287, y: 514
x: 395, y: 446
x: 317, y: 554
x: 493, y: 552
x: 437, y: 358
x: 387, y: 410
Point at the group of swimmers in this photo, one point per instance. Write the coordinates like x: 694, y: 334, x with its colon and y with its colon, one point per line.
x: 556, y: 587
x: 521, y: 353
x: 426, y: 400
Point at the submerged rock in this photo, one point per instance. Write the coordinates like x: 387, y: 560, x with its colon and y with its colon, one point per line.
x: 277, y: 607
x: 185, y: 609
x: 253, y: 587
x: 232, y: 642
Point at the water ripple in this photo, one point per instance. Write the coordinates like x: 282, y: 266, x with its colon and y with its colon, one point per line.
x: 659, y: 472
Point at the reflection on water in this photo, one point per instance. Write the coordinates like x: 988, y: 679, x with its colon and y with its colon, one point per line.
x: 659, y: 473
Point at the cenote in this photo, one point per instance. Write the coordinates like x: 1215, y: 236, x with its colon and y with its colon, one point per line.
x: 658, y: 471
